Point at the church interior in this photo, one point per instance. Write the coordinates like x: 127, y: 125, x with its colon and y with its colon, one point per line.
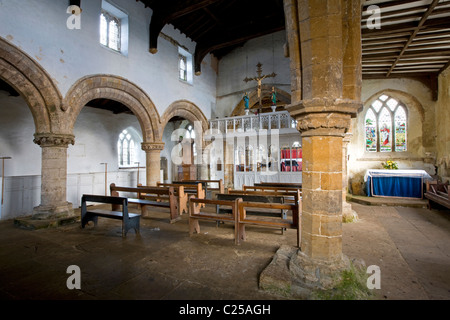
x: 335, y: 99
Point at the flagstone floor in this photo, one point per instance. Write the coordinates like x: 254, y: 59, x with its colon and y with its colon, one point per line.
x: 410, y: 245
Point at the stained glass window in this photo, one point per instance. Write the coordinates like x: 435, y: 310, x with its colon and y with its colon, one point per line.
x: 386, y: 126
x: 400, y: 129
x: 371, y: 131
x: 385, y: 122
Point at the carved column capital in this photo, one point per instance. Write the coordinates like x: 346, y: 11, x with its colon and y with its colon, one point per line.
x: 323, y: 116
x: 151, y: 146
x: 53, y: 139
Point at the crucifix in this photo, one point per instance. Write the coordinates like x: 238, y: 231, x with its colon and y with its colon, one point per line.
x: 259, y: 79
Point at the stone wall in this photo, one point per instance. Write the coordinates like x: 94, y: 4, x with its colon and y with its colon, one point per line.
x: 443, y: 126
x: 422, y: 129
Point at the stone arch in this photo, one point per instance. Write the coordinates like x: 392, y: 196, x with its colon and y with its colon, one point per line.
x: 35, y: 85
x: 184, y: 109
x: 266, y: 90
x: 118, y: 89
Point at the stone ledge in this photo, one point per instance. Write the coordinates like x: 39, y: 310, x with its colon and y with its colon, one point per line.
x: 388, y: 201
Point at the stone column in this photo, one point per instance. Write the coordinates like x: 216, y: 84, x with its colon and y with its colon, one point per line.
x: 324, y: 115
x: 54, y: 176
x: 352, y: 83
x: 203, y: 162
x: 348, y: 214
x: 321, y: 219
x: 153, y: 161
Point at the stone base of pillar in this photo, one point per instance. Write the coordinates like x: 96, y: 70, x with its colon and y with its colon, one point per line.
x: 348, y: 214
x: 47, y: 217
x: 49, y: 212
x: 292, y: 274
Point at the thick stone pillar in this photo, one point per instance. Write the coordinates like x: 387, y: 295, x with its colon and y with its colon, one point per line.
x: 153, y: 161
x: 348, y: 214
x: 54, y: 176
x: 352, y: 71
x: 322, y: 185
x: 324, y: 115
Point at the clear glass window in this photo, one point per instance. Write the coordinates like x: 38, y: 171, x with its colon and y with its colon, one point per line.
x: 182, y: 67
x: 109, y: 31
x: 126, y: 149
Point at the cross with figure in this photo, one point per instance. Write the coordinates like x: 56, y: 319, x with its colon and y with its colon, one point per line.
x: 259, y: 79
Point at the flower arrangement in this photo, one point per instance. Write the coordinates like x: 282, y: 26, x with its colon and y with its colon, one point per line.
x: 389, y: 164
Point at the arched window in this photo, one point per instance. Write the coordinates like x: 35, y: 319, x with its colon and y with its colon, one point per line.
x: 110, y: 30
x: 386, y: 126
x: 182, y: 67
x: 126, y: 147
x: 190, y: 134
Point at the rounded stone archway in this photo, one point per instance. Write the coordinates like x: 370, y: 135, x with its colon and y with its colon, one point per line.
x: 35, y: 86
x: 192, y: 114
x: 186, y: 110
x: 43, y: 98
x: 120, y: 90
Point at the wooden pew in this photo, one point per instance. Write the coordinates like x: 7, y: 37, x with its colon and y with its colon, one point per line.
x: 244, y: 219
x: 270, y: 188
x: 279, y: 184
x: 437, y: 192
x: 189, y: 189
x: 195, y: 214
x: 252, y: 198
x: 181, y: 196
x: 239, y: 217
x: 150, y: 196
x: 219, y: 189
x: 129, y: 220
x: 290, y: 196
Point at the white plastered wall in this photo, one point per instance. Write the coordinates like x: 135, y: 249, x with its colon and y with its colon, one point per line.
x: 417, y: 97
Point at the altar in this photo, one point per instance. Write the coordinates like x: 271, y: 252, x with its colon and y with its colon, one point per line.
x: 395, y: 183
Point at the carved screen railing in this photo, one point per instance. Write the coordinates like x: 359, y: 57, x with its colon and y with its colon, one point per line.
x: 267, y: 121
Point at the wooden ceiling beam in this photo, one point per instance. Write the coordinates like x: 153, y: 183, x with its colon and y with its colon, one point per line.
x: 163, y: 14
x: 202, y: 49
x: 411, y: 38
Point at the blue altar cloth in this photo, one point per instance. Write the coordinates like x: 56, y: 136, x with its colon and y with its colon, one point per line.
x: 395, y: 183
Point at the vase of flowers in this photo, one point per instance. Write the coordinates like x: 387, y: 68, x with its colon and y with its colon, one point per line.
x: 389, y: 164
